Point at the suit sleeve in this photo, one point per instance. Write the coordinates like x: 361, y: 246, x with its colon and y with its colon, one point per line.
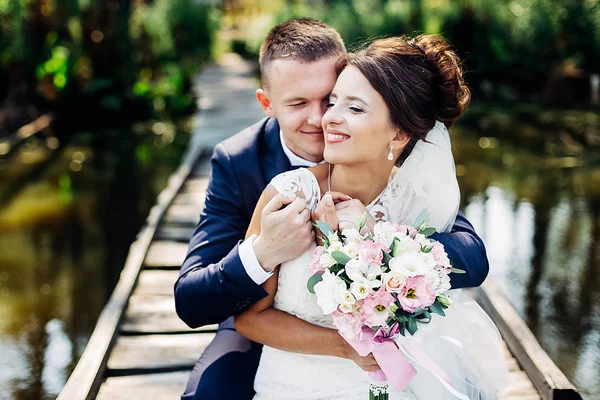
x: 213, y: 284
x: 466, y: 251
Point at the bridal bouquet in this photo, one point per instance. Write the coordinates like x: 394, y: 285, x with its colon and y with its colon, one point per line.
x: 378, y: 285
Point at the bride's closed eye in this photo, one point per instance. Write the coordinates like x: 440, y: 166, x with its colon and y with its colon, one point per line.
x: 355, y: 109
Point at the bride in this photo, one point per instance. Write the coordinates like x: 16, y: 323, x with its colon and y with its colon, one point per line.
x: 387, y: 146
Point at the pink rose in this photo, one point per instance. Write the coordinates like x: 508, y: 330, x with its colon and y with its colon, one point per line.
x: 349, y: 325
x: 416, y: 293
x: 374, y: 310
x: 393, y: 282
x: 371, y: 252
x: 314, y: 266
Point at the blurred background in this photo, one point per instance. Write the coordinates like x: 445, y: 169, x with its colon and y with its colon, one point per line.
x: 96, y: 108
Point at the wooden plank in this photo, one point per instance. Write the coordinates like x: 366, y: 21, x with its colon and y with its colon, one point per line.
x: 195, y: 185
x: 175, y: 233
x: 193, y: 200
x: 154, y: 313
x: 166, y: 254
x: 518, y: 384
x: 156, y: 282
x: 547, y: 378
x: 153, y: 353
x: 181, y: 214
x: 87, y: 377
x: 163, y: 386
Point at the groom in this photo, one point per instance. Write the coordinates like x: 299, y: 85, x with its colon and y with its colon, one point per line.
x: 222, y: 273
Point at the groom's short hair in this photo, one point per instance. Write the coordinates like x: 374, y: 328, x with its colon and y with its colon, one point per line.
x: 302, y: 39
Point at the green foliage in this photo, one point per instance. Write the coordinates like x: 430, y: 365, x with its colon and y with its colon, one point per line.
x: 105, y: 58
x: 312, y: 281
x: 510, y: 48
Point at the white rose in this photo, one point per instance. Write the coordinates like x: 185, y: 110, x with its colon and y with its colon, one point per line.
x: 354, y: 270
x: 347, y: 308
x: 429, y: 260
x: 352, y: 250
x: 409, y: 264
x: 326, y: 260
x: 360, y: 289
x: 343, y: 296
x: 352, y: 235
x: 374, y: 271
x: 326, y: 290
x: 393, y: 282
x: 334, y: 246
x: 405, y: 245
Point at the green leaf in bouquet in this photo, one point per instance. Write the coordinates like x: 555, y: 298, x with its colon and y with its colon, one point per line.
x: 436, y: 308
x: 323, y: 227
x: 340, y: 257
x: 403, y: 328
x: 386, y: 258
x: 421, y: 218
x: 418, y: 311
x: 426, y: 315
x: 401, y: 318
x: 412, y: 326
x: 428, y: 231
x: 458, y: 271
x: 426, y: 249
x: 336, y: 269
x: 362, y: 222
x: 312, y: 281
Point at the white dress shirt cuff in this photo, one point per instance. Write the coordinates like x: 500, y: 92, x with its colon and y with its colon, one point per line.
x: 250, y: 262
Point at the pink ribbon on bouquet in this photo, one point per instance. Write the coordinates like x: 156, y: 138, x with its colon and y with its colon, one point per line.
x: 394, y: 366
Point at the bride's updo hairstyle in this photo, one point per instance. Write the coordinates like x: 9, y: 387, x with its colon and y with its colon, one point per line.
x: 420, y: 79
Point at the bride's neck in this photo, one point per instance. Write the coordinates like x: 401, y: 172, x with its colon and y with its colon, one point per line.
x: 362, y: 182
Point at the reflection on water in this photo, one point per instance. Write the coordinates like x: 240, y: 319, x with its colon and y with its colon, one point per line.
x: 539, y: 215
x: 67, y: 218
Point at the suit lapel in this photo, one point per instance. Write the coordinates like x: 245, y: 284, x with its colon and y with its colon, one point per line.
x: 274, y: 159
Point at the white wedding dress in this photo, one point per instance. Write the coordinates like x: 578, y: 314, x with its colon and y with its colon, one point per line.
x: 284, y: 375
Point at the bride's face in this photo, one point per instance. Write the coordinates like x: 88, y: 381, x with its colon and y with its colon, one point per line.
x: 357, y: 126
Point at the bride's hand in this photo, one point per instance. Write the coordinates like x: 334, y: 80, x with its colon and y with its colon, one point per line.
x: 325, y: 210
x: 367, y: 363
x: 349, y: 213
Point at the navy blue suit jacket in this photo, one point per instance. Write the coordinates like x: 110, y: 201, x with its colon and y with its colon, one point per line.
x: 213, y: 284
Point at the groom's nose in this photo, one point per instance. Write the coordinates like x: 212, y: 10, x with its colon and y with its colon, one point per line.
x: 315, y: 114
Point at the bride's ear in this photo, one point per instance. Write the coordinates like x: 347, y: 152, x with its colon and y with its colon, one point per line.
x: 401, y: 140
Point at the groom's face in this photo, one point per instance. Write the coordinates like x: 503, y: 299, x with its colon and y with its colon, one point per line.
x: 296, y: 94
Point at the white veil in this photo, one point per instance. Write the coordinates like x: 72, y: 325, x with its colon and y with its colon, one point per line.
x: 427, y: 179
x: 465, y: 343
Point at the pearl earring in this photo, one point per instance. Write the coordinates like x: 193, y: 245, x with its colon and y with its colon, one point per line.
x: 391, y: 155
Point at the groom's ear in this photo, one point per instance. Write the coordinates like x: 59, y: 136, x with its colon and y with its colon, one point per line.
x: 264, y: 102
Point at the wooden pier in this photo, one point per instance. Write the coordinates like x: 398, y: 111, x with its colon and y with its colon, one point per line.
x: 140, y: 349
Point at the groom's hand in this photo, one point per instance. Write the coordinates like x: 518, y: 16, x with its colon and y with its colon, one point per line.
x: 285, y: 231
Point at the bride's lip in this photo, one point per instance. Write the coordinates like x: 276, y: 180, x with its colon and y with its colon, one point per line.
x: 335, y: 136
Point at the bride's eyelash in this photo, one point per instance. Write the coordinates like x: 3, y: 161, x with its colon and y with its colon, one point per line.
x: 355, y: 109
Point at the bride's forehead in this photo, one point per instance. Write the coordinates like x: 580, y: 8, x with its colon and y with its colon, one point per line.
x: 353, y: 84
